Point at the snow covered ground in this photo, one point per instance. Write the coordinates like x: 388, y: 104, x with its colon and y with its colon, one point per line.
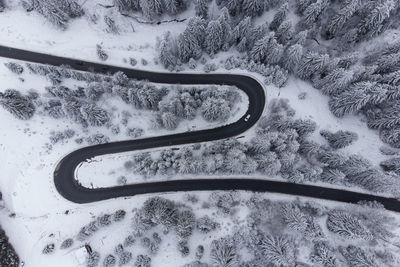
x: 27, y: 166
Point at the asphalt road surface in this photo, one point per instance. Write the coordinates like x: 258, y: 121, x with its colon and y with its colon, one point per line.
x: 69, y: 188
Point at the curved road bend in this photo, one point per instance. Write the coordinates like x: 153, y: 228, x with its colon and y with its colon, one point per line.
x: 64, y: 175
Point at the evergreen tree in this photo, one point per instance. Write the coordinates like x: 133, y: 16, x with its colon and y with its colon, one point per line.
x: 340, y: 138
x: 253, y: 8
x: 168, y: 51
x: 151, y: 8
x: 214, y: 37
x: 324, y: 255
x: 18, y: 105
x: 314, y: 11
x: 292, y: 57
x: 14, y: 67
x: 278, y: 250
x: 201, y: 8
x: 285, y: 32
x: 223, y: 253
x: 279, y: 17
x: 241, y: 30
x: 143, y: 261
x: 169, y: 120
x: 372, y: 24
x: 101, y: 53
x: 347, y: 225
x: 215, y: 109
x: 94, y: 115
x: 190, y: 42
x: 357, y: 257
x: 345, y: 13
x: 312, y: 63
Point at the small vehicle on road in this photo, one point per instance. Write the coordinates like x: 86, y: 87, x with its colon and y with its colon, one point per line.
x: 247, y: 117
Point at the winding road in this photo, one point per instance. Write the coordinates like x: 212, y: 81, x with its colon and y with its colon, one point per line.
x: 69, y: 188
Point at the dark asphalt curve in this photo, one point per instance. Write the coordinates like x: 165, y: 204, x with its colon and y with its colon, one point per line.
x: 69, y: 188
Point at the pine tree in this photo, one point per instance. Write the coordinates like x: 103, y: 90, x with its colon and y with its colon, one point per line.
x: 185, y: 224
x: 14, y: 67
x: 168, y: 51
x: 151, y: 8
x: 278, y: 250
x: 215, y: 109
x: 190, y: 42
x: 93, y: 259
x: 357, y: 257
x: 347, y: 225
x: 223, y: 253
x: 350, y: 101
x: 241, y: 30
x: 346, y: 12
x: 292, y: 57
x: 19, y: 106
x: 340, y: 138
x: 169, y: 120
x: 214, y: 37
x: 67, y: 243
x: 335, y: 82
x: 142, y: 261
x: 94, y: 115
x: 109, y: 261
x: 373, y: 23
x: 285, y: 32
x: 279, y: 17
x: 312, y: 63
x: 314, y: 11
x: 201, y: 8
x: 324, y: 255
x: 253, y: 8
x: 101, y: 53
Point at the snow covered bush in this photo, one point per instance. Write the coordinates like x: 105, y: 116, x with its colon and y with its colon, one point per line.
x: 14, y: 67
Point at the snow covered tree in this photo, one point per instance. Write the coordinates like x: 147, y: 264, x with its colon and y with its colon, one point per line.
x: 143, y: 261
x: 190, y: 42
x: 159, y: 210
x: 111, y: 26
x: 358, y: 257
x: 14, y: 67
x: 279, y: 250
x: 109, y: 261
x: 292, y: 57
x: 312, y: 63
x: 223, y: 253
x: 350, y: 101
x: 151, y: 8
x: 267, y: 50
x: 253, y: 8
x: 185, y: 224
x: 241, y: 30
x: 101, y: 53
x: 94, y: 115
x: 268, y: 163
x: 93, y: 259
x: 372, y: 24
x: 67, y: 243
x: 168, y: 51
x: 215, y: 109
x: 279, y: 17
x: 301, y: 5
x: 345, y: 13
x: 314, y: 11
x: 340, y: 138
x: 18, y: 105
x: 285, y: 32
x: 48, y: 249
x: 169, y: 120
x: 333, y: 176
x: 201, y: 8
x: 213, y: 38
x: 335, y: 82
x: 205, y: 224
x: 392, y: 164
x: 324, y: 255
x: 347, y: 225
